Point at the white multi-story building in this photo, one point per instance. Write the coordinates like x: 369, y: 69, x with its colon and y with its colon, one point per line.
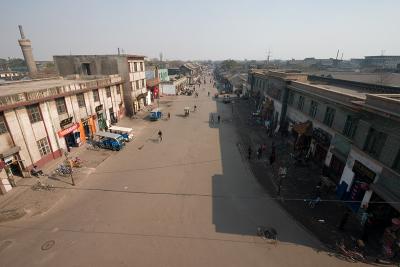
x: 130, y: 67
x: 41, y: 118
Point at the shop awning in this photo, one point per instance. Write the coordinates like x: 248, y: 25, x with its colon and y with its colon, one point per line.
x: 68, y: 130
x: 304, y: 128
x: 387, y: 195
x: 10, y: 152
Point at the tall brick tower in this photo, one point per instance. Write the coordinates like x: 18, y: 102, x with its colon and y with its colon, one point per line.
x: 27, y: 52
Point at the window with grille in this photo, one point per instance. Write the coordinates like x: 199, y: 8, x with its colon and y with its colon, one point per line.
x: 96, y: 96
x: 34, y: 113
x: 141, y: 66
x: 290, y: 98
x: 119, y: 89
x: 81, y: 100
x: 43, y: 146
x: 135, y: 66
x: 137, y: 84
x: 313, y: 109
x: 3, y: 126
x: 108, y: 91
x: 329, y: 116
x: 300, y: 103
x: 350, y: 126
x: 61, y: 107
x: 375, y: 142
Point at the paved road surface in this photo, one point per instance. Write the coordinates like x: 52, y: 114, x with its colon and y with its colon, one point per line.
x: 187, y: 201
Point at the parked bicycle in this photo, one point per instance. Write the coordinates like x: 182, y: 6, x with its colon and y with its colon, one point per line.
x: 267, y: 233
x: 39, y: 185
x: 77, y: 162
x: 63, y: 170
x: 349, y: 254
x: 92, y: 145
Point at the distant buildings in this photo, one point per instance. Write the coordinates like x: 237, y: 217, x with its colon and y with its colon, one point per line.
x: 381, y: 62
x: 191, y: 71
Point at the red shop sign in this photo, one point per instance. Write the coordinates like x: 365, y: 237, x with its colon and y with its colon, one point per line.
x: 68, y: 130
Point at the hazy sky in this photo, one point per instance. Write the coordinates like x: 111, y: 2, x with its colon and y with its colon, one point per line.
x: 203, y: 29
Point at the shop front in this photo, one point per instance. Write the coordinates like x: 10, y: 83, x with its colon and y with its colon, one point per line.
x: 88, y: 126
x: 336, y: 158
x: 384, y: 208
x: 302, y: 133
x: 141, y: 101
x: 101, y: 118
x: 322, y: 142
x: 11, y: 167
x: 71, y: 135
x: 360, y: 186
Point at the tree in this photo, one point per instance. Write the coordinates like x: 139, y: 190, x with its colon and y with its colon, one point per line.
x: 229, y: 64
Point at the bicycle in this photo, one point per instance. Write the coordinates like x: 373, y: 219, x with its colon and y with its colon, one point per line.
x: 63, y: 170
x: 267, y: 233
x: 92, y: 146
x: 351, y: 255
x: 38, y: 186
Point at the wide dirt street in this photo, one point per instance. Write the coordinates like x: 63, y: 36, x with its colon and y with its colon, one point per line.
x: 189, y: 200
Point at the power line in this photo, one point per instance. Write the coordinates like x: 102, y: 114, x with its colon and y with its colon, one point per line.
x: 132, y: 234
x: 216, y: 196
x: 160, y: 167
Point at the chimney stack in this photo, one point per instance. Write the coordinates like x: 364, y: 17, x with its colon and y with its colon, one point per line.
x: 27, y: 52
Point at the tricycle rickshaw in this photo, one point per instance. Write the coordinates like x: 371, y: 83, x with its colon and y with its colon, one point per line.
x: 155, y: 114
x: 109, y: 140
x: 127, y: 133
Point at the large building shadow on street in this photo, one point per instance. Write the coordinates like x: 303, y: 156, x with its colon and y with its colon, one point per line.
x: 240, y: 204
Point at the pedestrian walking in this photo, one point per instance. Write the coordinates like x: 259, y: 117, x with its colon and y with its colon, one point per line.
x: 264, y: 147
x: 249, y: 151
x: 208, y: 93
x: 219, y: 118
x: 259, y: 153
x: 317, y: 197
x: 159, y: 136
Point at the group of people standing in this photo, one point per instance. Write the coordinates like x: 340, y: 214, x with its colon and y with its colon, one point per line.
x: 262, y: 150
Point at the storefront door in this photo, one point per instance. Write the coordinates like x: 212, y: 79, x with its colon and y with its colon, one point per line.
x: 320, y: 154
x: 336, y: 169
x: 363, y: 177
x: 70, y: 140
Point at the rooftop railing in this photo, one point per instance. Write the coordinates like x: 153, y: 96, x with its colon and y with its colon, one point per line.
x: 54, y: 92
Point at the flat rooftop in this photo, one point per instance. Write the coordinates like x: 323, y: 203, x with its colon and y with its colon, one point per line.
x: 16, y: 87
x: 390, y: 79
x: 359, y: 93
